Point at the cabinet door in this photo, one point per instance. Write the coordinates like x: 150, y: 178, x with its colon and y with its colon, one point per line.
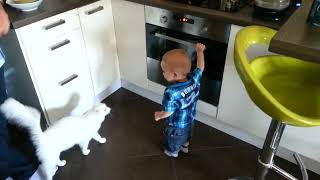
x: 61, y: 72
x: 99, y: 37
x: 235, y: 106
x: 131, y: 41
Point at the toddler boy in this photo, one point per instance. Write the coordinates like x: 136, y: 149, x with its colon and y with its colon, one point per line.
x: 180, y: 98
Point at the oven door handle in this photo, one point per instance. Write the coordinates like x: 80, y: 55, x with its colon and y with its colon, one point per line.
x: 180, y: 41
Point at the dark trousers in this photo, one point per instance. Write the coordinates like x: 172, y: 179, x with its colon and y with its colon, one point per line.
x: 16, y: 160
x: 176, y: 137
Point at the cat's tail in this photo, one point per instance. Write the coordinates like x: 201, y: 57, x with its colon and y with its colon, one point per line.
x: 25, y: 117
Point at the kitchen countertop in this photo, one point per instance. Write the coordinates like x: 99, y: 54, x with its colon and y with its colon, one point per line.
x: 295, y: 38
x: 298, y: 39
x: 47, y: 9
x: 243, y: 17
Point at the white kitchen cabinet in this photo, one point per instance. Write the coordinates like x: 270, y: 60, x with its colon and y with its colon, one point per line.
x: 59, y: 67
x: 131, y: 41
x: 235, y: 106
x: 99, y: 37
x: 237, y: 109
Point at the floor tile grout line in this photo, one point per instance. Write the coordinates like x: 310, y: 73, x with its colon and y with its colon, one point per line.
x: 141, y: 156
x: 211, y: 148
x: 174, y: 169
x: 194, y: 150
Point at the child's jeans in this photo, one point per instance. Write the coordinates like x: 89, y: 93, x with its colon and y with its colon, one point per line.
x: 176, y: 137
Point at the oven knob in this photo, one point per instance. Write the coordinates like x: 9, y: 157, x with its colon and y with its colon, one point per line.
x: 204, y: 29
x: 164, y: 19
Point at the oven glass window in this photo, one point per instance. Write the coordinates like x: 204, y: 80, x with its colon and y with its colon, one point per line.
x: 160, y: 40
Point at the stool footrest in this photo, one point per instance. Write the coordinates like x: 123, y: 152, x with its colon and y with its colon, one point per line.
x: 269, y: 150
x: 283, y: 172
x: 301, y: 165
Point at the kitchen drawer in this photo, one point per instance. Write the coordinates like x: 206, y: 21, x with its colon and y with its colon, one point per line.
x: 62, y: 75
x: 57, y: 56
x: 73, y: 95
x: 51, y: 27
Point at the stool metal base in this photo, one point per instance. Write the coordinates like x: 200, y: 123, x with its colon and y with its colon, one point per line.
x: 270, y: 147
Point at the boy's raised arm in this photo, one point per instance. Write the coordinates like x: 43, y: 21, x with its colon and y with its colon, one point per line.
x: 200, y: 56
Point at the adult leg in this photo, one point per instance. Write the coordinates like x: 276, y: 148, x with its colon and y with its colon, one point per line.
x: 13, y: 162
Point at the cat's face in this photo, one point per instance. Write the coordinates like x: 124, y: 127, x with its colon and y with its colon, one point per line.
x: 102, y: 108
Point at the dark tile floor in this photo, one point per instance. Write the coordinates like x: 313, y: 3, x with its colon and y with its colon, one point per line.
x: 133, y: 150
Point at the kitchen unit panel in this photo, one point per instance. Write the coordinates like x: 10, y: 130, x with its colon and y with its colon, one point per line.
x: 131, y: 41
x: 61, y: 73
x: 99, y: 37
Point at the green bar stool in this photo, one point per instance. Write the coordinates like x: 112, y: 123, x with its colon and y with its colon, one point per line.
x: 285, y: 88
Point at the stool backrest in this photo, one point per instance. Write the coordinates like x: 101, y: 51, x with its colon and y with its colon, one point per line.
x: 245, y: 38
x: 252, y: 35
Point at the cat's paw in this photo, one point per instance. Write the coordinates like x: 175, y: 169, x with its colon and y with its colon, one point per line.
x: 102, y: 140
x: 55, y: 170
x: 86, y: 152
x: 62, y: 163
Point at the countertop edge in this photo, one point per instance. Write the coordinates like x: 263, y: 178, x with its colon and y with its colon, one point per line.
x: 297, y: 41
x: 284, y: 48
x: 243, y: 17
x: 38, y: 17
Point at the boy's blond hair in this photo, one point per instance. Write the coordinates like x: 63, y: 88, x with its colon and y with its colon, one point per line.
x: 178, y: 60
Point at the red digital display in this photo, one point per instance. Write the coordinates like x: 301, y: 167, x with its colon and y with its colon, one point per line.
x: 184, y: 20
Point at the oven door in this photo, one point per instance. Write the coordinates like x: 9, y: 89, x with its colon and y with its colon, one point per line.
x: 160, y: 40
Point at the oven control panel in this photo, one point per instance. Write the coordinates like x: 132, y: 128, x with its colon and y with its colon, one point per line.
x: 183, y: 19
x: 188, y: 24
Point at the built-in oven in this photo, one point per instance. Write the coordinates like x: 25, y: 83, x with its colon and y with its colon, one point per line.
x: 166, y: 30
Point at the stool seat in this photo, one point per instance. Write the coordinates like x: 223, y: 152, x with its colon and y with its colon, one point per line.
x: 293, y: 86
x: 285, y: 88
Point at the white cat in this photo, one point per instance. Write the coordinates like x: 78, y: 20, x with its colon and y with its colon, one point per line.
x: 59, y: 137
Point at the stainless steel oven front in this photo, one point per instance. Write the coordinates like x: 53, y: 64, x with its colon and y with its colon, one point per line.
x: 166, y: 30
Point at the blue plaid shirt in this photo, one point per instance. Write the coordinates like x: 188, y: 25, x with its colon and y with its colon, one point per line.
x: 181, y: 99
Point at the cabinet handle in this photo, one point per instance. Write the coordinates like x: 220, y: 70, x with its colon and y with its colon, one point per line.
x: 55, y: 24
x: 59, y: 45
x: 99, y: 8
x: 68, y: 79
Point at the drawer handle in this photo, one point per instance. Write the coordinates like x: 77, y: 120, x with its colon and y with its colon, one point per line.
x: 99, y: 8
x: 68, y: 79
x: 59, y: 45
x: 55, y: 24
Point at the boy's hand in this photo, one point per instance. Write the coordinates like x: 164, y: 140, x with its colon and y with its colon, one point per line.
x: 200, y: 56
x: 200, y: 47
x: 161, y: 115
x: 157, y: 115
